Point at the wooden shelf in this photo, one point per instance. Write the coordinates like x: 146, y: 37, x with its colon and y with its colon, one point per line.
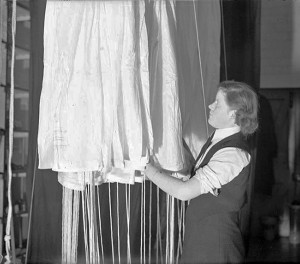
x: 17, y: 46
x: 19, y: 174
x: 21, y: 214
x: 17, y: 130
x: 15, y: 87
x: 20, y: 133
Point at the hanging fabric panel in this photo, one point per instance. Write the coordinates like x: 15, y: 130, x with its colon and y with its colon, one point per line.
x: 97, y: 109
x: 165, y: 107
x: 92, y: 56
x: 194, y: 60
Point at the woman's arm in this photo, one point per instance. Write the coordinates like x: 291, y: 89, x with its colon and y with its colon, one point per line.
x: 182, y: 190
x: 223, y: 167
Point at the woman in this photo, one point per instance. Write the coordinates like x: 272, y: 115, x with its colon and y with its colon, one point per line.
x: 217, y: 188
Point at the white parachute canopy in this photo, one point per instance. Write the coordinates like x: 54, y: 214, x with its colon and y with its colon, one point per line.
x: 120, y: 85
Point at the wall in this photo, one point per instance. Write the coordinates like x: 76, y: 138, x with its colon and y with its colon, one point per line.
x: 280, y: 42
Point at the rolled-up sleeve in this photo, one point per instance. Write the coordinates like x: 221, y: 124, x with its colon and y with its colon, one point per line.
x: 223, y: 167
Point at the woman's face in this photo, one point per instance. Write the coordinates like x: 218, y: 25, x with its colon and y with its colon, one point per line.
x: 220, y: 114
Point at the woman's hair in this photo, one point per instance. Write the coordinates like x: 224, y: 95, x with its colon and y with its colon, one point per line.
x: 242, y: 98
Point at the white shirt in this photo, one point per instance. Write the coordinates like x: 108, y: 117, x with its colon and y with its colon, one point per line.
x: 224, y: 165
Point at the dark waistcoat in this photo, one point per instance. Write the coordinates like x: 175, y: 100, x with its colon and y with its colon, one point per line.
x: 232, y: 196
x: 212, y: 232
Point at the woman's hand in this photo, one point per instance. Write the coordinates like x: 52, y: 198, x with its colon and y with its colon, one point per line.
x: 150, y: 170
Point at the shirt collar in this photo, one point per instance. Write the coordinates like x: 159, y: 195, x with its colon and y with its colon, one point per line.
x: 225, y: 132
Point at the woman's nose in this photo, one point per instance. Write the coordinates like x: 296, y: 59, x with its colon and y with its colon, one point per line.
x: 211, y: 106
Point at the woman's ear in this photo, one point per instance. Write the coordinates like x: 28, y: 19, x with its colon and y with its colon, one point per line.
x: 232, y: 114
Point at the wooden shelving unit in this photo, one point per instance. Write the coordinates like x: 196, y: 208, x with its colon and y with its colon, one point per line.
x: 21, y: 121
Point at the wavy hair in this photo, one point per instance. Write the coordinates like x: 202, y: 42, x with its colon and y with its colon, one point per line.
x: 242, y: 98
